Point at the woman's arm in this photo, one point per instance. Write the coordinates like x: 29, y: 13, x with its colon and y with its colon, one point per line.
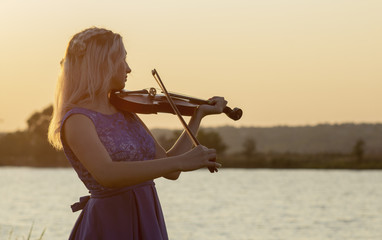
x: 80, y: 134
x: 184, y: 143
x: 160, y: 152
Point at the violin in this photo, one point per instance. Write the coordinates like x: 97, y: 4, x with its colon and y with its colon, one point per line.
x: 150, y: 102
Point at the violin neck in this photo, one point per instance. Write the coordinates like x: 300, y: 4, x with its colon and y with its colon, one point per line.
x: 191, y: 99
x: 234, y: 114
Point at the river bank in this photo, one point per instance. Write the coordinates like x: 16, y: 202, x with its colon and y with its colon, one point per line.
x: 258, y: 160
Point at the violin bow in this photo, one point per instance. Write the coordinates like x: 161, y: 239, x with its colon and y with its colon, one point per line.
x: 194, y: 140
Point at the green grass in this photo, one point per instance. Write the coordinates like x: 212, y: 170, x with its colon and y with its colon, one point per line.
x: 29, y: 234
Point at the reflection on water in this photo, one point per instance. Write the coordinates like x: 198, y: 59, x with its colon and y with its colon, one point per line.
x: 232, y: 204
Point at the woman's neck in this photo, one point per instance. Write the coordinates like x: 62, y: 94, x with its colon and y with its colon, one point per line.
x: 101, y: 104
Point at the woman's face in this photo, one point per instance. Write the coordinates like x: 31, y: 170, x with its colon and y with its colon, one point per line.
x: 120, y: 77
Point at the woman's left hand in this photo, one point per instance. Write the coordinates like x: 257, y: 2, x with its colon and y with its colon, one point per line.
x: 215, y: 106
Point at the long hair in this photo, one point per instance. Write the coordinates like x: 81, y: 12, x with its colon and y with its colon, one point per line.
x: 90, y: 62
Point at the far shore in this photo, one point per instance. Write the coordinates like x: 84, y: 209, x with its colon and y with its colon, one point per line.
x: 258, y: 160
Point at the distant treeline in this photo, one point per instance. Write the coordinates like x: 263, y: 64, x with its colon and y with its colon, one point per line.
x: 322, y: 138
x: 248, y: 155
x: 30, y: 147
x: 339, y: 146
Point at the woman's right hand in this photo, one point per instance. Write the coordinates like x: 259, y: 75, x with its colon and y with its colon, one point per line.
x: 199, y: 157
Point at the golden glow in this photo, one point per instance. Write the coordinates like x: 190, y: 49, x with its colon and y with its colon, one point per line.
x: 283, y: 62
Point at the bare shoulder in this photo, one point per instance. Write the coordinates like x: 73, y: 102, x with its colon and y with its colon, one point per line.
x: 77, y: 119
x: 78, y: 126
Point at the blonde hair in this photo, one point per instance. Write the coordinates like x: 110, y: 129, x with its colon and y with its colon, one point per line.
x: 90, y: 62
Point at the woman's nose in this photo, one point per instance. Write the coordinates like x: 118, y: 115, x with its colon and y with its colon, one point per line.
x: 128, y: 69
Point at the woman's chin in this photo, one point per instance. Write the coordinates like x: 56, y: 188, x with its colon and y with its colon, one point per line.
x: 121, y: 86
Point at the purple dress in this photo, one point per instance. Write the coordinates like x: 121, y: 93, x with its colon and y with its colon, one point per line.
x: 117, y: 213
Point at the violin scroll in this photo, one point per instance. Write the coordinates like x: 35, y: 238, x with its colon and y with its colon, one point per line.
x: 234, y: 114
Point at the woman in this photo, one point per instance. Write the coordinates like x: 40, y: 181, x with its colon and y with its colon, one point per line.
x: 113, y: 152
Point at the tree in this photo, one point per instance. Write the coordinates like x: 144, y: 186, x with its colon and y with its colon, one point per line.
x: 38, y: 123
x: 43, y: 153
x: 358, y: 149
x: 212, y: 139
x: 31, y: 147
x: 13, y: 146
x: 249, y: 147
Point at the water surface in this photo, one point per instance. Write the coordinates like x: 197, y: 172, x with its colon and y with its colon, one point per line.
x: 230, y: 204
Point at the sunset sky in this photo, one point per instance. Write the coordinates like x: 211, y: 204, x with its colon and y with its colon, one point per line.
x: 284, y: 62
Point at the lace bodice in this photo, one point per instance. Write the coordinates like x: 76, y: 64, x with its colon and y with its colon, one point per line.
x: 123, y: 136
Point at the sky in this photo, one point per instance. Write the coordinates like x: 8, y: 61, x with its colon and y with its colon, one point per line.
x: 283, y: 62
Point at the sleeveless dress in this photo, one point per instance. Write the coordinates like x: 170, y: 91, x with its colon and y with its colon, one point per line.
x: 132, y: 212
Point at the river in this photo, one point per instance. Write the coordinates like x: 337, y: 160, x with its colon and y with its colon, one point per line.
x: 234, y: 204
